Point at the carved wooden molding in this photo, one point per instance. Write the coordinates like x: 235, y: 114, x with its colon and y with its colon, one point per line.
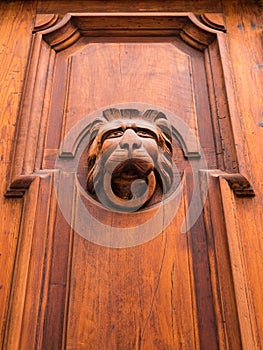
x: 52, y: 37
x: 43, y: 22
x: 221, y: 189
x: 213, y: 20
x: 237, y: 182
x: 50, y: 65
x: 35, y: 245
x: 75, y: 25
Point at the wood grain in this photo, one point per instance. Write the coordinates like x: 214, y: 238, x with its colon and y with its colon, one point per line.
x: 200, y: 6
x: 15, y: 27
x: 137, y: 298
x: 160, y: 73
x: 196, y: 290
x: 244, y: 25
x: 43, y: 22
x: 247, y: 320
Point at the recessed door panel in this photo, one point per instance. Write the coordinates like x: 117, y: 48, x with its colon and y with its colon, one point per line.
x: 145, y: 277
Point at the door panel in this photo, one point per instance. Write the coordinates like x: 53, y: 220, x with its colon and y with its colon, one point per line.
x: 159, y: 286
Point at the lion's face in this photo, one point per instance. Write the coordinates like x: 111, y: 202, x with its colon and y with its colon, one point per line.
x: 129, y: 161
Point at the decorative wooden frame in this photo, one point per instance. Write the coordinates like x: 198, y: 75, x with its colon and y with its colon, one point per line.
x: 51, y: 37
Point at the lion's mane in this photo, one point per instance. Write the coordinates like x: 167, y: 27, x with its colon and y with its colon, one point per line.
x: 164, y: 173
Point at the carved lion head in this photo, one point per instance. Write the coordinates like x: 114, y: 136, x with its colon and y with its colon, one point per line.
x: 129, y: 158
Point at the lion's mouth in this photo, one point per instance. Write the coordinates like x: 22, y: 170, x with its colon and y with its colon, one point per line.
x: 125, y: 174
x: 133, y: 168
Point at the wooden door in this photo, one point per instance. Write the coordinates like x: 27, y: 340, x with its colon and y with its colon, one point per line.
x: 158, y: 276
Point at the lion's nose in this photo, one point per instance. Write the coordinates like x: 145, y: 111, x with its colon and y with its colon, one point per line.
x: 130, y: 140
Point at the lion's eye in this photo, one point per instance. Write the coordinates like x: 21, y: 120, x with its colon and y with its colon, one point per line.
x: 144, y: 133
x: 116, y: 133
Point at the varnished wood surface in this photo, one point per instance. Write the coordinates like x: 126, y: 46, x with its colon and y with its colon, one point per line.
x: 28, y: 312
x: 244, y: 24
x: 63, y: 7
x: 16, y: 22
x: 112, y: 284
x: 119, y: 293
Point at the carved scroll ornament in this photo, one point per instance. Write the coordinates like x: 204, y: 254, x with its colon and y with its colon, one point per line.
x: 129, y: 158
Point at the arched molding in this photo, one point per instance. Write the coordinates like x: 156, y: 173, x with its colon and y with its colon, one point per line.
x: 75, y: 25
